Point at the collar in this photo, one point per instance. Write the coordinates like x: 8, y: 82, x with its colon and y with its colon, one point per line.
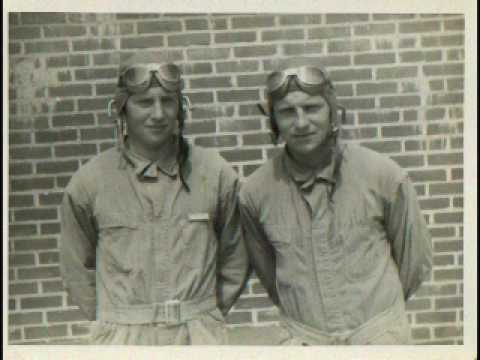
x: 306, y: 177
x: 145, y: 168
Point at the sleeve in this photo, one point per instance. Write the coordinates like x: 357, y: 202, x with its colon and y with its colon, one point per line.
x: 233, y: 268
x: 78, y: 250
x: 410, y: 238
x: 261, y: 253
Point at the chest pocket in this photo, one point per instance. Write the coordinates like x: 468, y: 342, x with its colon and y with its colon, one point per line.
x: 197, y: 238
x: 365, y: 251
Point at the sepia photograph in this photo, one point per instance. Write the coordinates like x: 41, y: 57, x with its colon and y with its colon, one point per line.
x: 256, y: 179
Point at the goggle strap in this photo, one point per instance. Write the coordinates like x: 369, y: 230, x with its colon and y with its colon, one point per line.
x: 109, y: 107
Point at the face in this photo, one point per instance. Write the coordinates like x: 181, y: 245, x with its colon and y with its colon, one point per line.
x: 151, y: 118
x: 303, y: 121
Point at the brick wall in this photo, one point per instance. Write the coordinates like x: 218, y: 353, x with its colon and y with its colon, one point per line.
x: 400, y: 76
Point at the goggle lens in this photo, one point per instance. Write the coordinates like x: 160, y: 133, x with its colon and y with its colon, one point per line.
x: 137, y: 78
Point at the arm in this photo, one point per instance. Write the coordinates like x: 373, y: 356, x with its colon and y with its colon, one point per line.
x: 77, y: 251
x: 233, y: 267
x: 410, y: 238
x: 261, y: 253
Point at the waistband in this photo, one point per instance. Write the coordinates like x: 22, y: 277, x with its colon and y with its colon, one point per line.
x: 168, y: 312
x: 360, y: 335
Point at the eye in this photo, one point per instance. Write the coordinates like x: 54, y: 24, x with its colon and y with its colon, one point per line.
x: 286, y: 111
x: 312, y: 108
x: 145, y: 102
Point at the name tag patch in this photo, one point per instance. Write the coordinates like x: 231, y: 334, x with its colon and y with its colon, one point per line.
x: 198, y: 217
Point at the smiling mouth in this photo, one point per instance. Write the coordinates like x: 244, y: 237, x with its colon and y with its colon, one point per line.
x: 302, y: 135
x: 156, y: 127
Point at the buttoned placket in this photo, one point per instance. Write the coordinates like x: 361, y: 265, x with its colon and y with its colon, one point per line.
x: 325, y: 251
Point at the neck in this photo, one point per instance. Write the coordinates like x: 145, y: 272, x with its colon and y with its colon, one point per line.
x: 318, y: 159
x: 162, y: 154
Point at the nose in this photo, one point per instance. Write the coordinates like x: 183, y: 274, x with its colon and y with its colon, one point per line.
x: 157, y: 111
x: 301, y: 119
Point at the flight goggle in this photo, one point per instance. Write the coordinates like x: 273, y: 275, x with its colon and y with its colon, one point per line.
x: 308, y: 78
x: 138, y: 78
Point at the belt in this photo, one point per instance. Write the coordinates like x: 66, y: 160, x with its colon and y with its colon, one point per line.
x: 357, y: 336
x: 170, y: 312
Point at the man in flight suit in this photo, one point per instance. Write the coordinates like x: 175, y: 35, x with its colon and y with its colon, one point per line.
x: 334, y: 230
x: 151, y: 248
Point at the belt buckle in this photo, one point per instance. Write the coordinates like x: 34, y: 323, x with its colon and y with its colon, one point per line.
x: 172, y: 311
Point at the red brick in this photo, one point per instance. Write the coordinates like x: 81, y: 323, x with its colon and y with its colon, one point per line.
x: 254, y: 51
x: 418, y: 304
x: 24, y: 32
x: 75, y: 120
x: 235, y: 37
x: 39, y: 47
x: 43, y: 272
x: 421, y: 333
x: 49, y: 258
x: 31, y: 184
x: 238, y: 95
x: 456, y: 24
x: 158, y: 26
x: 64, y: 30
x: 455, y: 112
x: 447, y: 218
x: 435, y: 317
x: 57, y: 167
x: 346, y: 18
x: 251, y: 80
x: 237, y: 66
x: 190, y: 39
x: 52, y: 286
x: 19, y: 138
x: 305, y: 48
x: 105, y: 88
x: 400, y: 101
x: 419, y: 56
x: 211, y: 82
x: 65, y: 316
x: 237, y: 125
x: 217, y: 141
x: 445, y: 159
x: 200, y: 97
x: 14, y: 48
x: 419, y: 26
x: 63, y: 106
x: 446, y: 99
x: 106, y: 145
x: 257, y: 139
x: 96, y: 74
x: 300, y: 19
x: 256, y: 21
x: 409, y: 160
x: 436, y: 290
x: 448, y: 331
x: 57, y: 135
x: 397, y: 72
x: 62, y: 181
x: 142, y: 42
x: 28, y: 318
x: 35, y: 214
x: 210, y: 112
x: 455, y: 54
x: 457, y: 174
x: 374, y: 59
x: 437, y: 85
x: 450, y: 274
x: 18, y: 260
x: 42, y: 18
x: 427, y: 175
x: 19, y: 230
x: 350, y: 75
x: 378, y: 117
x: 50, y: 228
x: 31, y: 152
x: 98, y: 133
x: 443, y: 260
x: 241, y: 155
x: 22, y: 288
x: 12, y: 305
x: 455, y: 84
x: 75, y: 150
x: 240, y: 317
x: 442, y: 41
x: 349, y: 45
x: 28, y: 123
x: 384, y: 146
x: 329, y: 32
x: 435, y: 114
x: 196, y: 24
x: 92, y: 44
x: 376, y: 88
x: 374, y: 29
x: 359, y: 133
x: 434, y: 204
x: 46, y: 332
x: 16, y: 201
x: 457, y: 202
x: 200, y: 127
x: 288, y: 34
x: 197, y: 68
x: 358, y: 103
x: 20, y: 168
